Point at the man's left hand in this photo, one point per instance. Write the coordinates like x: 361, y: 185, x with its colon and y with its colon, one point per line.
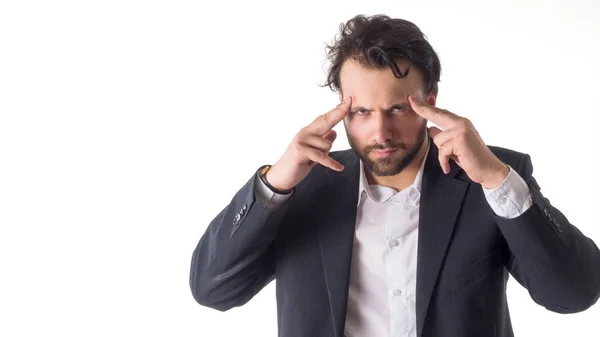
x: 459, y: 140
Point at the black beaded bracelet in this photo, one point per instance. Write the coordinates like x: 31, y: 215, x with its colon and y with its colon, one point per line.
x: 262, y: 173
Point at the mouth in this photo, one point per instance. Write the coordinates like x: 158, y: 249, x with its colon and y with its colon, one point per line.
x: 383, y: 153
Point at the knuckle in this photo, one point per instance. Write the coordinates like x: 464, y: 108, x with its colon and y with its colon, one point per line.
x: 301, y: 133
x: 298, y: 147
x: 296, y: 142
x: 321, y: 143
x: 445, y: 150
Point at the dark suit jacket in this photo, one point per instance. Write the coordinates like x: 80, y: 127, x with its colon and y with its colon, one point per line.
x: 465, y: 253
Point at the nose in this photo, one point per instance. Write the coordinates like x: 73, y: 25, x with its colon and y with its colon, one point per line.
x: 381, y: 128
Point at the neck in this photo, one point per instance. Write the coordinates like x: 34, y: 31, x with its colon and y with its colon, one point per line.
x: 406, y: 177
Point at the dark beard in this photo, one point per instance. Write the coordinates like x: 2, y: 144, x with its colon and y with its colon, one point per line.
x: 388, y: 166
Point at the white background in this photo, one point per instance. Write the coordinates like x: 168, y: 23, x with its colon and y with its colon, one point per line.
x: 126, y: 126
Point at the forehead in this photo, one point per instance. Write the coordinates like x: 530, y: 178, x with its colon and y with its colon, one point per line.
x: 378, y: 84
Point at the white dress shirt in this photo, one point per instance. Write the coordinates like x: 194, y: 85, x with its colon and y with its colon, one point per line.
x: 382, y: 291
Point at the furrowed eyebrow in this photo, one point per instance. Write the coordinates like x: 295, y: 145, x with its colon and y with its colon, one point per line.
x: 399, y: 105
x: 392, y: 107
x: 358, y: 108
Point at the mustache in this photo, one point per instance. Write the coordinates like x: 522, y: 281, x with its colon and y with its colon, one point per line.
x: 385, y: 146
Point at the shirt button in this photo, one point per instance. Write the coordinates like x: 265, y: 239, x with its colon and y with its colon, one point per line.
x: 397, y: 292
x: 502, y: 200
x: 394, y: 243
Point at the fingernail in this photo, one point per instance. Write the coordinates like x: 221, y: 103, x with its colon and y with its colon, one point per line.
x: 347, y: 100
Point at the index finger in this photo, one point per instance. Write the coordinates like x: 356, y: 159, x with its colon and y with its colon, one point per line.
x: 327, y: 121
x: 442, y: 118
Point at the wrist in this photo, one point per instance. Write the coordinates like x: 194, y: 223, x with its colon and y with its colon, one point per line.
x: 496, y: 177
x: 269, y: 179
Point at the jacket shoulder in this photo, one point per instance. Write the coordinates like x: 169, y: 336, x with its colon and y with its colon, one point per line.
x: 519, y: 161
x: 508, y: 156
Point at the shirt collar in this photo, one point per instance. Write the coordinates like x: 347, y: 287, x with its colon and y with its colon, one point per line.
x: 363, y: 185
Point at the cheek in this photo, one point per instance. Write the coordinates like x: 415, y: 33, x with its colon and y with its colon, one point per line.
x: 406, y: 124
x: 412, y: 125
x: 359, y: 132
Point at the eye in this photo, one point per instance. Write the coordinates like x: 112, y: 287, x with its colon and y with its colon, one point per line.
x: 361, y: 112
x: 399, y: 109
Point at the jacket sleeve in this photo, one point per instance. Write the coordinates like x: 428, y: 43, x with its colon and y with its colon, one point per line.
x: 235, y: 257
x: 550, y: 257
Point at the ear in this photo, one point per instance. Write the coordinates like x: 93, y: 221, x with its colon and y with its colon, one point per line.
x: 431, y: 99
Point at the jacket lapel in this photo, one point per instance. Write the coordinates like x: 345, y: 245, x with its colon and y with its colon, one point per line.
x: 336, y: 237
x: 441, y: 199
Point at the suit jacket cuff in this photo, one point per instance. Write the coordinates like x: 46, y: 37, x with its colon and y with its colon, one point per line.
x: 266, y: 197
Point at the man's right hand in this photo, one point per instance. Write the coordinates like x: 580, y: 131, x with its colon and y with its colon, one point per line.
x: 310, y: 147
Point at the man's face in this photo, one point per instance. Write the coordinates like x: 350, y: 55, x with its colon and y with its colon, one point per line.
x: 382, y: 128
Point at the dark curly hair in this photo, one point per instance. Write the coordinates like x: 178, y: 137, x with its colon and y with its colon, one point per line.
x: 379, y: 41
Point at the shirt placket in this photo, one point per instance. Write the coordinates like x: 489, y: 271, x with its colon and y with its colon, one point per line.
x: 396, y: 266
